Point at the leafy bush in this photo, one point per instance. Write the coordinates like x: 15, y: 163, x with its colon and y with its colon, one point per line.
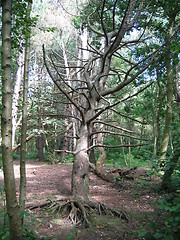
x: 69, y: 159
x: 170, y: 209
x: 32, y: 155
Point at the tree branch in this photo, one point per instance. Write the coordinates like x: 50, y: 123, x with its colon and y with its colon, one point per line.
x: 117, y: 127
x: 117, y: 146
x: 60, y: 88
x: 119, y: 134
x: 116, y: 103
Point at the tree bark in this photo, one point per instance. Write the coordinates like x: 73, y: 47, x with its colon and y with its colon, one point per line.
x: 65, y: 141
x: 80, y: 178
x: 16, y: 93
x: 169, y: 92
x: 40, y: 140
x: 100, y: 163
x: 22, y: 196
x: 157, y: 115
x: 13, y: 209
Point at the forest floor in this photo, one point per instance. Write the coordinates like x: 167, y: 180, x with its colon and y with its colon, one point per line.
x: 137, y: 197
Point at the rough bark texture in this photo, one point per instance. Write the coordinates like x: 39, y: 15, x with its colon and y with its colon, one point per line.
x: 80, y: 178
x: 100, y: 164
x: 6, y: 125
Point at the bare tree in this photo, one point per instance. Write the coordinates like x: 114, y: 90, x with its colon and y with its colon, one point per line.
x: 94, y: 93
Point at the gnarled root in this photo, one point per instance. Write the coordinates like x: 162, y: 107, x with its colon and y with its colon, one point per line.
x: 78, y: 211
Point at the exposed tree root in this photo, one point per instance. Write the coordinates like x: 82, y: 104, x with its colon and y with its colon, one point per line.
x: 113, y: 174
x: 79, y: 211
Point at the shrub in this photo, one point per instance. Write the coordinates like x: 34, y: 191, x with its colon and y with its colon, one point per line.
x: 170, y: 209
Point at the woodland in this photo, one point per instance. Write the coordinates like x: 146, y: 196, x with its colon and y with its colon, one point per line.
x: 90, y: 110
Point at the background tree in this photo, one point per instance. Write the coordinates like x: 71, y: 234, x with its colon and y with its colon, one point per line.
x: 6, y: 125
x: 22, y: 196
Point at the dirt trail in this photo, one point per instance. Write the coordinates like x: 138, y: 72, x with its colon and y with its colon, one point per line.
x: 46, y: 181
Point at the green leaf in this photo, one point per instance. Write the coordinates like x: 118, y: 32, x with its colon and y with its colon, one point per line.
x: 158, y: 235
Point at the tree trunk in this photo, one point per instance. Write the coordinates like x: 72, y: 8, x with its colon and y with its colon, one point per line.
x: 100, y: 163
x: 6, y: 125
x: 166, y: 180
x: 80, y: 177
x: 124, y: 157
x: 129, y: 148
x: 65, y: 141
x: 16, y: 93
x: 40, y: 138
x: 169, y: 92
x: 22, y: 196
x: 157, y: 116
x: 92, y: 158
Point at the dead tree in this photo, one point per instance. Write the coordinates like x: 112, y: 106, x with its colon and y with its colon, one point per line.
x: 93, y: 94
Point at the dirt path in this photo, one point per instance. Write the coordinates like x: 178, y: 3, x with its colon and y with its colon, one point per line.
x: 47, y: 181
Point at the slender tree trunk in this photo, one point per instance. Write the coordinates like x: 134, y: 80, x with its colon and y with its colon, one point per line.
x: 80, y: 178
x: 157, y: 115
x: 102, y: 154
x: 22, y: 196
x: 92, y: 158
x: 124, y: 157
x: 40, y: 141
x: 65, y: 141
x: 129, y: 148
x: 6, y: 125
x: 169, y: 92
x: 16, y: 93
x: 177, y: 87
x: 41, y: 137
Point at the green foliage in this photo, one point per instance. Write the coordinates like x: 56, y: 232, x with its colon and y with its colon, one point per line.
x: 166, y: 224
x: 140, y: 157
x: 4, y: 227
x: 77, y: 22
x: 169, y: 207
x: 73, y: 234
x: 21, y: 23
x: 69, y: 159
x: 31, y: 155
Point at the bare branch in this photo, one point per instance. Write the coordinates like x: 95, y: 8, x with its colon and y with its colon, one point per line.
x: 60, y: 88
x: 60, y: 115
x: 117, y: 127
x: 119, y: 134
x: 116, y: 103
x: 102, y: 22
x: 125, y: 116
x: 114, y: 8
x: 117, y: 146
x: 129, y: 80
x: 91, y: 27
x: 66, y: 151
